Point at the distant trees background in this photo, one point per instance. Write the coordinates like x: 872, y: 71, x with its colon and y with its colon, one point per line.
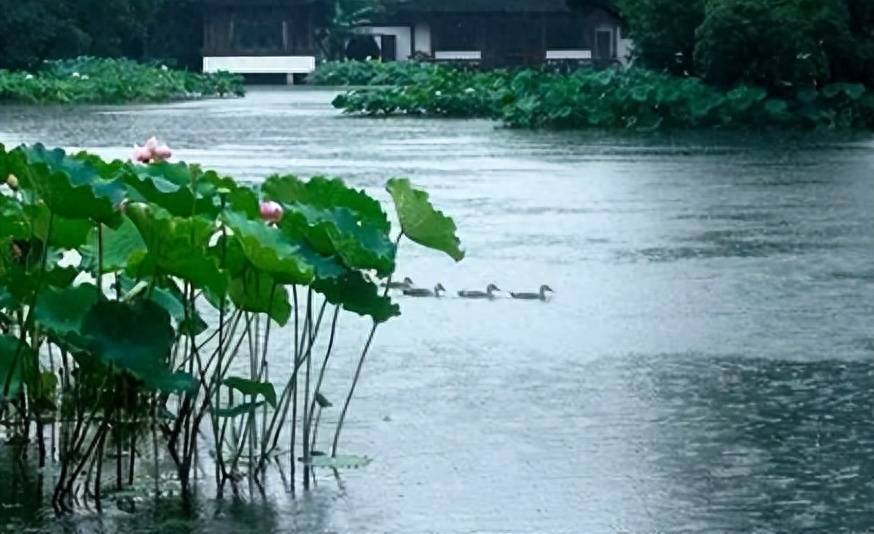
x: 780, y: 44
x: 34, y: 30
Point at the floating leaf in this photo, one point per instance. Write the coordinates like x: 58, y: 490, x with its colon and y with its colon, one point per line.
x: 253, y: 388
x: 421, y: 222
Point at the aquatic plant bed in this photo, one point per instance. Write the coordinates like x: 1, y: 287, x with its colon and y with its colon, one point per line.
x: 376, y: 73
x: 133, y: 293
x: 112, y: 81
x: 613, y: 98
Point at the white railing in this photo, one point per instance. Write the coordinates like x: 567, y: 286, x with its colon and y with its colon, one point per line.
x: 558, y: 55
x: 458, y: 55
x: 260, y: 64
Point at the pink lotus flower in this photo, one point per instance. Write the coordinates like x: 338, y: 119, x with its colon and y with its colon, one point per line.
x: 271, y: 212
x: 152, y: 150
x: 142, y: 154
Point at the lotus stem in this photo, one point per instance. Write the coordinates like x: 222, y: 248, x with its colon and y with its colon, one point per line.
x: 352, y: 390
x: 306, y: 396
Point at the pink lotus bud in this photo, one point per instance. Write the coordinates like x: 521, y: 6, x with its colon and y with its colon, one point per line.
x: 141, y: 154
x: 271, y: 212
x: 12, y: 182
x: 152, y: 144
x: 162, y: 153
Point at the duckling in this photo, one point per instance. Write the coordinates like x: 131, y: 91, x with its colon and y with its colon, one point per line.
x: 422, y: 292
x: 489, y: 293
x: 534, y: 296
x: 406, y: 284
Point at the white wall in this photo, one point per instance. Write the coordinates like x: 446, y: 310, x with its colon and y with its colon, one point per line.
x: 402, y: 35
x: 261, y: 65
x: 623, y: 52
x: 423, y: 38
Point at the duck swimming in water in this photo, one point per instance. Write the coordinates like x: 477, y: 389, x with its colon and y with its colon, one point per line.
x: 422, y: 292
x: 489, y: 293
x: 534, y: 296
x: 406, y: 284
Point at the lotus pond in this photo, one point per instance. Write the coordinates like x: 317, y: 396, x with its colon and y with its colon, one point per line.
x: 703, y: 367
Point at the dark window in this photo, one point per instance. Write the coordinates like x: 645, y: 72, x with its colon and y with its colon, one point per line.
x: 565, y: 33
x: 457, y: 34
x: 257, y: 33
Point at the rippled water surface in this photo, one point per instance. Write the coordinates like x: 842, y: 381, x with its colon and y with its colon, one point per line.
x: 705, y: 366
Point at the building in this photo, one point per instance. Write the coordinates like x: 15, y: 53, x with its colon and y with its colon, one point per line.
x: 279, y: 36
x: 499, y: 33
x: 260, y: 36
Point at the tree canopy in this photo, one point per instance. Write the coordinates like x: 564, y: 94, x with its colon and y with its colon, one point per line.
x: 780, y: 44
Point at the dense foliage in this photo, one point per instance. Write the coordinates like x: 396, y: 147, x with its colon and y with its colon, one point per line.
x: 780, y: 45
x: 339, y: 73
x: 633, y: 98
x: 34, y: 30
x: 111, y: 81
x: 131, y: 295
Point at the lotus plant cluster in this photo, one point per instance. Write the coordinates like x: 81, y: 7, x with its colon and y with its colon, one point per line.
x: 633, y: 98
x: 140, y: 301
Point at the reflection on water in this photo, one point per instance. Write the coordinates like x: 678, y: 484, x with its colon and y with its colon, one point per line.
x: 704, y: 367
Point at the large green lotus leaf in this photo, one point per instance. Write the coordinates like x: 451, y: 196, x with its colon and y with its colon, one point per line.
x: 22, y: 283
x: 421, y: 222
x: 71, y: 188
x: 255, y: 291
x: 339, y: 231
x: 186, y: 190
x: 61, y: 311
x: 169, y: 185
x: 252, y: 387
x: 136, y: 338
x: 270, y: 250
x: 13, y: 222
x: 357, y: 295
x: 118, y: 246
x: 66, y: 233
x: 323, y: 266
x: 12, y: 361
x: 176, y: 246
x: 325, y: 193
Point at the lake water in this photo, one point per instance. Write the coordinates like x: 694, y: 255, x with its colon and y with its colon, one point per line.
x: 706, y: 365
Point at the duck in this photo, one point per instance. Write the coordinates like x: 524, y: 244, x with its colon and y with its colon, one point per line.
x: 534, y: 296
x: 406, y: 284
x: 489, y: 293
x: 423, y: 292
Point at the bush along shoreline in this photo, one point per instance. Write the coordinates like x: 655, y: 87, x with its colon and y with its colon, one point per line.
x: 90, y: 80
x: 614, y: 98
x: 150, y: 310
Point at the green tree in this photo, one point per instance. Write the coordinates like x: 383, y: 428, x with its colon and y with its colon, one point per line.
x: 663, y: 32
x: 341, y: 17
x: 780, y: 45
